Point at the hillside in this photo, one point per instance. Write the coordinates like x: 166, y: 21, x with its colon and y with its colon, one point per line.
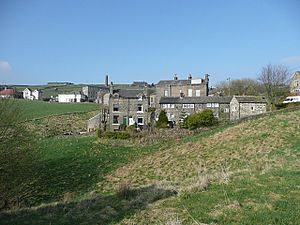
x: 245, y: 173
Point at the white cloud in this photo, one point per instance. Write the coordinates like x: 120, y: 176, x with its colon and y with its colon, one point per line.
x: 4, y: 67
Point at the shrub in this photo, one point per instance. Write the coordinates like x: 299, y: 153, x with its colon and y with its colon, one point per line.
x: 162, y: 120
x: 204, y: 118
x: 131, y: 129
x: 99, y: 133
x: 116, y: 135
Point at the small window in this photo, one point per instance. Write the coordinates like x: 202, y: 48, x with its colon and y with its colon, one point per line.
x: 252, y: 108
x: 226, y: 110
x: 208, y: 105
x: 140, y: 108
x: 115, y: 108
x: 197, y: 93
x: 115, y: 119
x: 172, y: 106
x: 140, y: 121
x: 151, y: 99
x: 190, y: 92
x: 166, y: 93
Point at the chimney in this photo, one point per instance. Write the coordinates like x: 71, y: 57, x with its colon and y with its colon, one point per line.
x: 206, y: 77
x: 175, y: 76
x: 106, y: 80
x: 190, y: 77
x: 111, y: 88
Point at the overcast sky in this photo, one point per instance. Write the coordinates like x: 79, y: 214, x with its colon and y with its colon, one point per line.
x: 82, y: 40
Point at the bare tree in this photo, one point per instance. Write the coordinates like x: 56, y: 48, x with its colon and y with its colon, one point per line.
x: 274, y: 79
x: 244, y: 86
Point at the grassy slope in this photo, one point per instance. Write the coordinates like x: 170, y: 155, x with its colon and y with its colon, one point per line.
x: 253, y: 169
x: 36, y: 109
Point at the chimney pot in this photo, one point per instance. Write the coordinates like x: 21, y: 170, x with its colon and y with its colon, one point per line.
x: 190, y: 77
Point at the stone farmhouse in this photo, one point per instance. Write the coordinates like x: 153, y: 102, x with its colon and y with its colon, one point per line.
x: 179, y: 98
x: 179, y: 88
x: 179, y: 107
x: 128, y: 107
x: 295, y: 83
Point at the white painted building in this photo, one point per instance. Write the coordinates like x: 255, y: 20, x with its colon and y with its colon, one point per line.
x: 72, y: 97
x: 32, y: 95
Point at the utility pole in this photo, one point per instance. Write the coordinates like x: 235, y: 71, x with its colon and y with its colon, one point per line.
x: 229, y: 85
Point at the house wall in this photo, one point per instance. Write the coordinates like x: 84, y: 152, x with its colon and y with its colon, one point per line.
x: 36, y: 95
x: 250, y: 109
x: 91, y: 92
x: 66, y: 98
x: 234, y: 109
x: 127, y: 108
x: 240, y: 110
x: 295, y: 84
x: 222, y: 112
x: 93, y: 123
x: 26, y: 94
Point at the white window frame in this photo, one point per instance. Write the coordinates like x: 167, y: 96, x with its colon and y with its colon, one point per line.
x: 166, y: 93
x: 188, y: 106
x: 137, y: 120
x: 190, y: 92
x: 198, y: 93
x: 140, y: 111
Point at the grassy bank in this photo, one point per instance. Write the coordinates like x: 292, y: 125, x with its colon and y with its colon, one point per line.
x: 247, y: 173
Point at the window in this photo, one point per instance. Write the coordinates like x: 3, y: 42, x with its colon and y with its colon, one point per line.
x: 188, y: 106
x: 190, y: 92
x: 166, y: 93
x: 152, y: 99
x: 252, y: 108
x: 140, y: 121
x: 115, y: 108
x: 140, y: 108
x: 212, y: 105
x: 197, y: 93
x: 168, y: 106
x: 226, y: 110
x: 115, y: 119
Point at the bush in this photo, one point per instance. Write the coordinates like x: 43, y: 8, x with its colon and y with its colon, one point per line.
x: 116, y: 135
x: 131, y: 129
x: 204, y: 118
x: 162, y: 120
x: 99, y: 133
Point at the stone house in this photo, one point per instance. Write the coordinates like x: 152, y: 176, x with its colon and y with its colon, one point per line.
x: 179, y: 107
x: 180, y: 88
x: 295, y: 84
x: 224, y: 108
x: 244, y: 106
x: 127, y: 107
x: 91, y: 91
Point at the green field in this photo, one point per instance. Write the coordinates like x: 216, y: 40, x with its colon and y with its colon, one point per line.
x: 245, y: 173
x: 37, y: 109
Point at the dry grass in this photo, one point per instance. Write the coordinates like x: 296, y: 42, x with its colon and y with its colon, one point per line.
x: 245, y: 146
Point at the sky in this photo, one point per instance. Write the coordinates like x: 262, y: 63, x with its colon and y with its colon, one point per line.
x: 82, y: 40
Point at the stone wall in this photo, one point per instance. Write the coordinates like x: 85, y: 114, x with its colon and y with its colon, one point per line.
x: 127, y: 108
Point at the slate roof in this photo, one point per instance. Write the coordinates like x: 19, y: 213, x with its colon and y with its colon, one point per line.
x: 195, y: 100
x: 123, y: 93
x: 174, y: 82
x: 250, y: 99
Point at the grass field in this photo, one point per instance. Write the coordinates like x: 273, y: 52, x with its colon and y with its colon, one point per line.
x: 246, y: 173
x: 37, y: 109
